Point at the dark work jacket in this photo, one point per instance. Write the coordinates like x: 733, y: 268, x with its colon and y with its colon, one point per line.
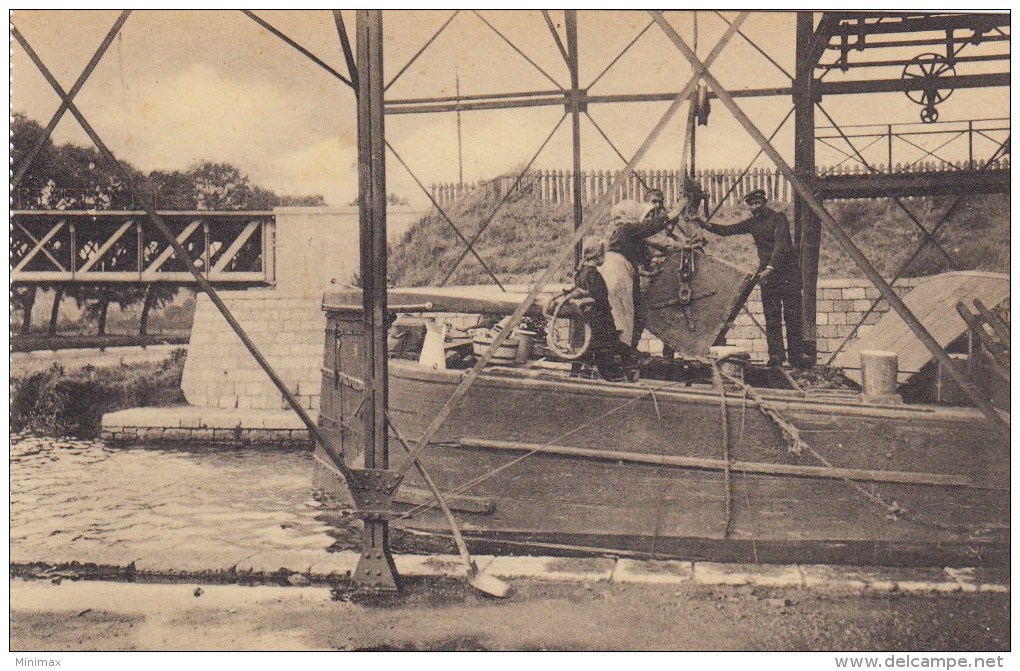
x: 627, y: 239
x: 600, y: 318
x: 771, y: 233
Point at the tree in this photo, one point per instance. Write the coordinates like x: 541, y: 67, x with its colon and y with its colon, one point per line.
x: 156, y: 296
x: 220, y: 186
x: 25, y: 133
x: 58, y: 296
x: 23, y: 297
x: 172, y: 190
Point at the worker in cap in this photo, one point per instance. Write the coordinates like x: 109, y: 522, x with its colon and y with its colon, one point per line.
x: 612, y: 357
x: 778, y: 275
x: 656, y: 198
x: 756, y: 196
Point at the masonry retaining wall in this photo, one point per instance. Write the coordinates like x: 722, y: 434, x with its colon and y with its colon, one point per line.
x: 841, y: 304
x: 289, y: 331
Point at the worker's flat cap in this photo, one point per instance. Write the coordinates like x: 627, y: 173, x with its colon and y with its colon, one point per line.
x: 757, y: 194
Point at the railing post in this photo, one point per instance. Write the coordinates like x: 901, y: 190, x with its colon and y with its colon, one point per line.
x: 970, y: 144
x: 206, y: 254
x: 74, y: 251
x: 889, y: 147
x: 269, y: 250
x: 140, y: 241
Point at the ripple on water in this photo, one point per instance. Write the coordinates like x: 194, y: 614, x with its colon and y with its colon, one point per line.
x: 149, y: 500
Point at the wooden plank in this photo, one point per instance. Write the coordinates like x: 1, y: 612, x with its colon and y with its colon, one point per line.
x: 830, y: 473
x: 932, y: 302
x: 1000, y: 327
x: 464, y: 300
x: 929, y: 297
x: 415, y: 496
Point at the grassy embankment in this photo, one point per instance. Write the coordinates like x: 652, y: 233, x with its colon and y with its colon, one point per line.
x: 62, y: 403
x: 526, y: 233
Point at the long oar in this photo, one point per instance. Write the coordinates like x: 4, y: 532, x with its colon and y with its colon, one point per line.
x: 487, y: 584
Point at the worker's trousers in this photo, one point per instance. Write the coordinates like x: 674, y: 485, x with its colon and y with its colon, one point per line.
x: 780, y: 300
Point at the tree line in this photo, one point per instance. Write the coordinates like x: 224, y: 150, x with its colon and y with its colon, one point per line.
x: 72, y: 177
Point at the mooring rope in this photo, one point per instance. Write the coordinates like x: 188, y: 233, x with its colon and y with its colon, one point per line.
x: 727, y: 475
x: 893, y: 510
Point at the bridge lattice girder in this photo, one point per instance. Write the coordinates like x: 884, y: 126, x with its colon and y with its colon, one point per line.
x: 231, y: 248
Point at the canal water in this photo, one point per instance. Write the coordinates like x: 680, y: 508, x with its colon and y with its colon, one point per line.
x: 84, y: 500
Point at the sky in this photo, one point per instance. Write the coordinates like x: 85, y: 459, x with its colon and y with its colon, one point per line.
x: 180, y: 87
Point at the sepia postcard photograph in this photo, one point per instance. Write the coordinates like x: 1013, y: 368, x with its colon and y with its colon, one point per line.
x: 463, y: 330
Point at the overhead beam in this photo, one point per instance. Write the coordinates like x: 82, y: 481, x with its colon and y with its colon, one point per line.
x: 929, y: 42
x: 900, y: 62
x: 921, y: 24
x: 550, y: 99
x: 907, y: 184
x: 901, y: 86
x: 508, y: 101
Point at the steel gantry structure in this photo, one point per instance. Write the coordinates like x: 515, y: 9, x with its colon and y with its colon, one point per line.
x: 807, y: 91
x: 848, y: 37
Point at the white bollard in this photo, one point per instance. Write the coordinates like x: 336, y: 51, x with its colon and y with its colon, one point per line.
x: 879, y: 370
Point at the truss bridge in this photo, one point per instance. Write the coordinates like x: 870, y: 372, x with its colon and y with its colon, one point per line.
x: 233, y: 249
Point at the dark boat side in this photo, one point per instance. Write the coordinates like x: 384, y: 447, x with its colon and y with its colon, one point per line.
x: 551, y: 460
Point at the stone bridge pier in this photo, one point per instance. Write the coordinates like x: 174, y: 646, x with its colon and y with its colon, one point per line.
x: 315, y: 248
x: 230, y: 399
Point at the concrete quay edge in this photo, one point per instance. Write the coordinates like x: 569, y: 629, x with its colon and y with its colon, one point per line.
x: 197, y: 424
x: 324, y: 568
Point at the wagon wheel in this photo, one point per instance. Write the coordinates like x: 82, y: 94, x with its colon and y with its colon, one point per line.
x: 931, y: 70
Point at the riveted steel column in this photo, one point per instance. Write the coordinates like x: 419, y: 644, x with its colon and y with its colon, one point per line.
x: 806, y: 225
x: 375, y: 568
x: 570, y: 19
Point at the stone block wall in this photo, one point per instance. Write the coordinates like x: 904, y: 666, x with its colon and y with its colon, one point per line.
x: 841, y: 303
x: 315, y: 248
x: 288, y: 330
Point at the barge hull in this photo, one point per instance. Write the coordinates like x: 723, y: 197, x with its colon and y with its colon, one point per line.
x: 642, y: 468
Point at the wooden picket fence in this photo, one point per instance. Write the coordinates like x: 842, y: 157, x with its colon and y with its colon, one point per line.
x: 556, y: 186
x: 726, y: 186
